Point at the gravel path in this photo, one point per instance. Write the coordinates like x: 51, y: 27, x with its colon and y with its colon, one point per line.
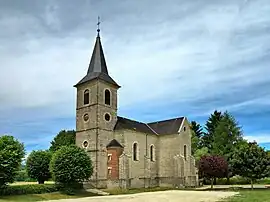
x: 166, y: 196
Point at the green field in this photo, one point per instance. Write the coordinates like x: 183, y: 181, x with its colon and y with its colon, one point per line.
x: 251, y: 196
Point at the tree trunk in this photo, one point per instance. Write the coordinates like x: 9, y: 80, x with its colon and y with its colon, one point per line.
x: 212, y: 182
x: 228, y: 180
x: 251, y: 184
x: 40, y: 181
x: 215, y: 181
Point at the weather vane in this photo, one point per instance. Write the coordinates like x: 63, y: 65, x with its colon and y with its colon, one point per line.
x: 98, y: 30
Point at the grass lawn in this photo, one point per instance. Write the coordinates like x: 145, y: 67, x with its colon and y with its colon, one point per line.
x: 135, y: 191
x: 44, y: 197
x: 251, y: 196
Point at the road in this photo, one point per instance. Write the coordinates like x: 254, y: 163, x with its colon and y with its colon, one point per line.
x: 167, y: 196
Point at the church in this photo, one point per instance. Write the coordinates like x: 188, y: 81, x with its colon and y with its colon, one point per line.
x: 126, y: 153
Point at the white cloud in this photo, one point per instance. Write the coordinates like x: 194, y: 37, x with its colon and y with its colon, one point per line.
x: 259, y: 138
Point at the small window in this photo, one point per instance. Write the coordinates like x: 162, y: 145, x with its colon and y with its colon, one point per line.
x: 152, y: 155
x: 135, y: 152
x: 185, y: 152
x: 85, y: 144
x: 109, y: 157
x: 85, y: 117
x: 109, y: 171
x: 107, y: 97
x: 184, y: 128
x: 107, y: 117
x: 86, y: 96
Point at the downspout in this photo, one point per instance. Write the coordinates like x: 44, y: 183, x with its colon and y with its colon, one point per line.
x: 97, y: 124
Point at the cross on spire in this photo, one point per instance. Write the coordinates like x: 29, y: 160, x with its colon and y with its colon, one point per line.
x: 98, y: 23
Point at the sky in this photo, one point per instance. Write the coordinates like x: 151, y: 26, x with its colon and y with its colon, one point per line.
x: 172, y: 58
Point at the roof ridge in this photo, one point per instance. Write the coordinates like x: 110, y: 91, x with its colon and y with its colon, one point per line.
x: 131, y: 120
x: 171, y: 119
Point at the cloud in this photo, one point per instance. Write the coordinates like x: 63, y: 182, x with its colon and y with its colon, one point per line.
x: 183, y: 58
x: 259, y: 138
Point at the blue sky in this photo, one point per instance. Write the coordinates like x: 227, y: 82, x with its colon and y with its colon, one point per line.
x: 172, y: 58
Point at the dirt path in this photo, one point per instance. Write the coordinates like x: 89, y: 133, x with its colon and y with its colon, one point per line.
x: 166, y: 196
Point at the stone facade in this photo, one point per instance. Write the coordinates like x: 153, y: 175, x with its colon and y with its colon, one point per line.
x: 127, y: 153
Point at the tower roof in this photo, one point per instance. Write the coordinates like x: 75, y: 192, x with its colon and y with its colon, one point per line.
x: 97, y: 67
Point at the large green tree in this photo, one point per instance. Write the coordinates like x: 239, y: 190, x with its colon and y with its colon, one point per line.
x: 227, y: 136
x: 37, y: 165
x: 251, y: 161
x: 70, y: 165
x: 197, y: 128
x: 63, y: 138
x: 210, y: 127
x: 11, y: 154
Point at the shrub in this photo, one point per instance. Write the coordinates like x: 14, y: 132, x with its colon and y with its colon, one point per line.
x: 21, y: 176
x: 37, y: 166
x: 70, y: 166
x: 11, y: 154
x: 27, y: 189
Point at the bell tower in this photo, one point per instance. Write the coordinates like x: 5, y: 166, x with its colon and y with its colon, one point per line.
x: 96, y: 112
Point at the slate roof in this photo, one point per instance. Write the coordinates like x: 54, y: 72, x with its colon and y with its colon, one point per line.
x: 165, y: 127
x: 114, y: 143
x: 124, y: 123
x: 97, y: 67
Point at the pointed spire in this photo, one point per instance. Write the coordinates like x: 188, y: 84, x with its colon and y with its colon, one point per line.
x: 97, y: 62
x: 97, y: 67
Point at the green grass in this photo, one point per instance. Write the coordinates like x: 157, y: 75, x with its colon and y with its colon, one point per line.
x: 27, y: 183
x: 135, y: 191
x: 251, y: 196
x: 44, y: 197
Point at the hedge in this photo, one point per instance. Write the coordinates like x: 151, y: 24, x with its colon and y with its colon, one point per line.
x: 28, y: 189
x: 238, y: 180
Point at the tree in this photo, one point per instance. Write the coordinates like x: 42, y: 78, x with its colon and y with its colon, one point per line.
x: 197, y: 128
x: 70, y: 165
x: 210, y: 127
x: 195, y: 141
x: 37, y: 165
x: 11, y: 154
x: 200, y: 153
x: 251, y: 161
x: 226, y: 136
x: 213, y: 167
x: 63, y: 138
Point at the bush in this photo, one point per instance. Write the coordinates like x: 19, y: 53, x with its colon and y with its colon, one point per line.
x: 21, y: 176
x: 27, y: 189
x: 11, y: 154
x: 70, y: 166
x: 37, y: 165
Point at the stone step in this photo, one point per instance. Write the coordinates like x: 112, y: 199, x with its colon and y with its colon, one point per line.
x: 97, y: 191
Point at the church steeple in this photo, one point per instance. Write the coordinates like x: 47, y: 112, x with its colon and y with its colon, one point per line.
x: 97, y: 67
x: 97, y: 62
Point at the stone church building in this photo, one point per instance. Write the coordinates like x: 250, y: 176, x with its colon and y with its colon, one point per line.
x: 128, y: 153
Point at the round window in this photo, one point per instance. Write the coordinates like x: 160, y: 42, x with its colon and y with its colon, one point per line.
x: 107, y: 117
x: 86, y: 117
x: 85, y: 144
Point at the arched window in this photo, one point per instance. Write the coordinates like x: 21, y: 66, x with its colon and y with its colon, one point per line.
x: 185, y: 152
x: 152, y: 153
x: 135, y: 151
x: 86, y: 97
x: 107, y: 97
